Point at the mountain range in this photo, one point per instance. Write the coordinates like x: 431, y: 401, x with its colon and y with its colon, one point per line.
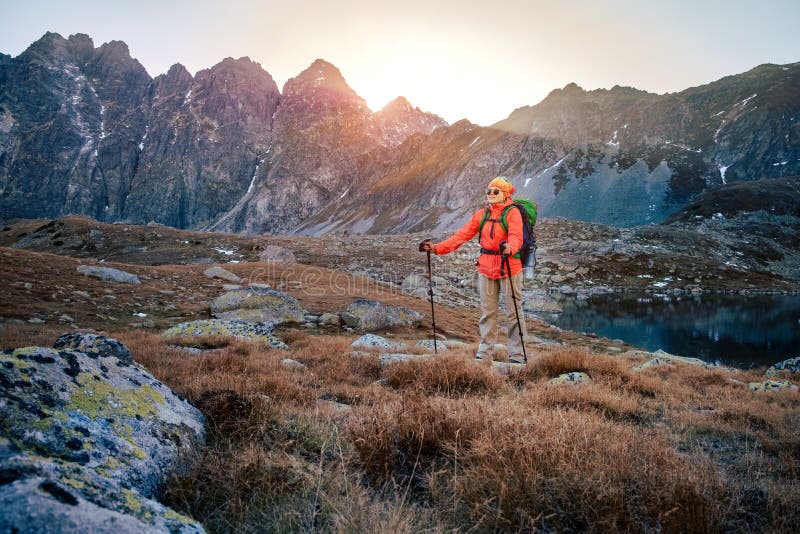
x: 85, y: 130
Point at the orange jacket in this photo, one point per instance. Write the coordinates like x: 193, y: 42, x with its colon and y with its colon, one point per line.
x: 490, y: 239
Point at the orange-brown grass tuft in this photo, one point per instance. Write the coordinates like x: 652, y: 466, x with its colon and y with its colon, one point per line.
x: 567, y: 470
x: 504, y: 465
x: 555, y: 362
x: 14, y: 336
x: 451, y: 376
x: 598, y: 398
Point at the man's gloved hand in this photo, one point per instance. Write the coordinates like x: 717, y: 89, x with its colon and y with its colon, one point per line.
x: 426, y: 246
x: 505, y: 248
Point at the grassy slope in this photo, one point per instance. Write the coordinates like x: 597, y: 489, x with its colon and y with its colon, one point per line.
x: 435, y: 445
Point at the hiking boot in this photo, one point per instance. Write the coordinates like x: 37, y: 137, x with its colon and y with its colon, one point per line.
x: 517, y: 358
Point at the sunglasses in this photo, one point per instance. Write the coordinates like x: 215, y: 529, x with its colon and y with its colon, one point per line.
x: 493, y: 191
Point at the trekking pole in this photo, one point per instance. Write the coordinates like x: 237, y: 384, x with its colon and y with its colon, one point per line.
x: 430, y: 292
x: 507, y: 262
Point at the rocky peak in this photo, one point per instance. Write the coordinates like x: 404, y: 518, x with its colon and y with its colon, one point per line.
x: 237, y: 91
x: 81, y: 46
x: 50, y: 46
x: 114, y: 52
x: 397, y: 106
x: 176, y: 79
x: 399, y: 119
x: 321, y: 78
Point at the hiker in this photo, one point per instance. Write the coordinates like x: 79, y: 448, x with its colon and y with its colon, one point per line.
x: 493, y: 277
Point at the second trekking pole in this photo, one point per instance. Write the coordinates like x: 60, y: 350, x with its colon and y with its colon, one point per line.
x: 507, y: 262
x: 430, y: 292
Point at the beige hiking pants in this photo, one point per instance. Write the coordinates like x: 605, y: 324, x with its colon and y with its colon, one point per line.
x: 489, y: 291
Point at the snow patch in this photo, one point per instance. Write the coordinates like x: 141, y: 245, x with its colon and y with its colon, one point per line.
x: 746, y: 100
x: 144, y: 137
x: 225, y: 251
x: 253, y: 180
x: 559, y: 162
x: 722, y: 169
x: 474, y: 141
x: 187, y: 98
x: 716, y: 134
x: 780, y: 163
x: 684, y: 147
x: 102, y: 121
x: 343, y: 194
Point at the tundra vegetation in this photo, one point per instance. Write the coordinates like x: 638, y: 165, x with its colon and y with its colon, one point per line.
x: 343, y: 443
x: 448, y: 444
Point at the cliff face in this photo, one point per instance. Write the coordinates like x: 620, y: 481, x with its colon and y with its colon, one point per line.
x: 68, y: 115
x: 622, y: 156
x: 85, y: 130
x: 204, y: 140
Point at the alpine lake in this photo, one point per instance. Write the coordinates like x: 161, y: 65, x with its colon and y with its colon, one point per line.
x: 743, y: 331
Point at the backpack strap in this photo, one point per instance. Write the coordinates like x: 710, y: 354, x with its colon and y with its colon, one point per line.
x: 486, y: 215
x: 504, y: 216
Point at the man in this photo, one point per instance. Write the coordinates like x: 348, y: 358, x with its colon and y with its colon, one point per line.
x: 493, y: 276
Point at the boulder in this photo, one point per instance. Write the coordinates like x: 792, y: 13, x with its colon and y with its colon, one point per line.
x: 661, y: 358
x: 258, y: 305
x: 95, y: 346
x: 224, y: 274
x: 108, y: 274
x: 427, y: 344
x: 368, y: 315
x: 792, y: 365
x: 575, y: 377
x: 219, y: 327
x: 293, y: 364
x: 277, y: 254
x: 770, y: 385
x: 88, y: 441
x: 330, y: 319
x: 373, y: 341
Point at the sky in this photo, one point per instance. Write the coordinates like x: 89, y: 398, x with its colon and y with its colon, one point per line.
x: 477, y: 60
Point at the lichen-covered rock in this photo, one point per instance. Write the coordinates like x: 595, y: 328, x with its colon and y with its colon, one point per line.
x: 94, y: 346
x: 394, y: 357
x: 108, y: 274
x: 258, y: 305
x: 219, y: 327
x: 427, y: 344
x: 88, y: 435
x: 770, y: 385
x: 369, y: 315
x: 792, y: 365
x: 224, y: 274
x: 277, y: 254
x: 386, y: 358
x: 46, y: 506
x: 330, y: 319
x: 661, y: 358
x: 293, y: 364
x: 574, y: 377
x: 373, y: 341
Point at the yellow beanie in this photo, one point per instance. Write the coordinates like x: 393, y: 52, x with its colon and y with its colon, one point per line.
x: 503, y: 185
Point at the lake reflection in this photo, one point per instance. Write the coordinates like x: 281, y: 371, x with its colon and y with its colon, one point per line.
x: 730, y: 329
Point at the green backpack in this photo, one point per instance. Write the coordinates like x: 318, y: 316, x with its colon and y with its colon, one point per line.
x: 528, y: 210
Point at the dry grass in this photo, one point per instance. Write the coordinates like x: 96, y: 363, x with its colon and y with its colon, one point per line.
x: 450, y: 376
x: 450, y: 445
